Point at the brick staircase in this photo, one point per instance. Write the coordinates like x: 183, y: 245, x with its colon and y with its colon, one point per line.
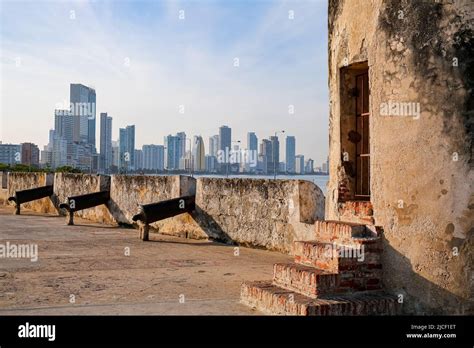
x: 339, y: 273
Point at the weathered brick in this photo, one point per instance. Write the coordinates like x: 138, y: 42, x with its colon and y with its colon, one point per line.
x: 271, y: 299
x: 308, y: 281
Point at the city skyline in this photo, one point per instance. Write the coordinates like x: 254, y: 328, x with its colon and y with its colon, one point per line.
x: 187, y: 80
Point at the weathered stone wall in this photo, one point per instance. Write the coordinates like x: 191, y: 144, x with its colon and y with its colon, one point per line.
x: 269, y: 214
x: 17, y: 181
x: 68, y: 184
x: 421, y: 168
x: 129, y: 191
x: 3, y: 187
x: 259, y: 213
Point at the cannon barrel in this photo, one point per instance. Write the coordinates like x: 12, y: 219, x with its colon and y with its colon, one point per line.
x: 24, y: 196
x: 89, y: 200
x: 152, y: 212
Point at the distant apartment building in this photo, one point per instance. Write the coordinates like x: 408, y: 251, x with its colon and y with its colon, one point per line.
x: 182, y: 144
x: 138, y: 159
x: 199, y: 158
x: 115, y: 155
x: 309, y: 166
x: 211, y: 164
x: 213, y: 145
x: 275, y: 157
x: 30, y: 154
x: 252, y: 146
x: 105, y: 143
x: 265, y: 156
x: 225, y: 141
x: 172, y: 152
x: 281, y: 167
x: 153, y: 157
x: 10, y: 154
x: 127, y: 147
x: 83, y: 108
x: 290, y: 154
x: 299, y: 164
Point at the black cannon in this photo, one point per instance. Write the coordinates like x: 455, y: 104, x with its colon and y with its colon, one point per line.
x: 29, y: 195
x: 89, y: 200
x: 152, y: 212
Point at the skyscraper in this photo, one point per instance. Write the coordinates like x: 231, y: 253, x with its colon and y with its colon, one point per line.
x: 115, y: 155
x: 199, y: 158
x: 62, y: 143
x: 252, y: 141
x: 252, y: 147
x: 225, y: 141
x: 213, y: 145
x: 127, y: 147
x: 290, y: 154
x: 182, y: 144
x: 225, y: 138
x: 266, y: 156
x: 153, y: 157
x: 172, y: 147
x: 275, y: 158
x: 83, y: 103
x: 105, y: 142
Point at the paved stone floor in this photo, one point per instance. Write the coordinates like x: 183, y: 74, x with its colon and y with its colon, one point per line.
x: 87, y: 262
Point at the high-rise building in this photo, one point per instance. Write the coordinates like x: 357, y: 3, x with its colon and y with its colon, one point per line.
x: 325, y: 166
x: 105, y: 142
x: 138, y: 159
x: 55, y: 154
x: 282, y: 167
x: 182, y: 144
x: 153, y: 157
x: 309, y: 166
x: 299, y: 164
x: 199, y: 159
x: 10, y: 154
x: 290, y: 154
x: 213, y: 145
x: 252, y: 141
x: 127, y: 147
x: 225, y: 141
x: 275, y: 158
x: 30, y: 154
x: 252, y: 147
x: 83, y: 104
x: 265, y: 156
x: 63, y: 136
x: 211, y: 164
x: 225, y: 138
x: 64, y: 125
x: 115, y: 155
x: 172, y: 149
x: 46, y: 155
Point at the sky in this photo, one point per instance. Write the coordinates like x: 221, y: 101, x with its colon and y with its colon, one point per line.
x: 231, y: 62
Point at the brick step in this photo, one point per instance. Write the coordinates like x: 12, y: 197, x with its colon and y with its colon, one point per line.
x: 356, y: 211
x: 271, y: 299
x: 313, y: 282
x: 345, y: 232
x: 308, y: 281
x: 336, y: 258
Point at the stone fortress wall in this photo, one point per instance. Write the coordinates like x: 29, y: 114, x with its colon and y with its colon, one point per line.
x: 252, y: 212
